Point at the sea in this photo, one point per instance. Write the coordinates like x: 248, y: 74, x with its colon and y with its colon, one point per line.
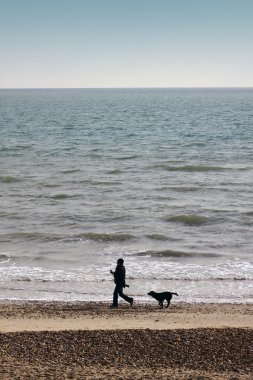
x: 162, y: 178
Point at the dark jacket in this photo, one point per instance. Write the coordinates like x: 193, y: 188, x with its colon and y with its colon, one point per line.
x: 119, y: 275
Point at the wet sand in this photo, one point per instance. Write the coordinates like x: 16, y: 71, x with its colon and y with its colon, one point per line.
x: 43, y: 340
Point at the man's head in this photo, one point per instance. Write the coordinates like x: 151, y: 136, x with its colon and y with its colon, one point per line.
x: 120, y: 261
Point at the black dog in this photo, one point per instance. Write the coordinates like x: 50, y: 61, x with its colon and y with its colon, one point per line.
x: 160, y: 297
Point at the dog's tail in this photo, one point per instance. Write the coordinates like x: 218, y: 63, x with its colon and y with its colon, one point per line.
x: 175, y: 294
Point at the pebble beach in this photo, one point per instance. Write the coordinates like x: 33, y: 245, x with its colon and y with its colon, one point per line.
x: 43, y: 340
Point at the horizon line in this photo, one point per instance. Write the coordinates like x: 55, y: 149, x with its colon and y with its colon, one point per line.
x: 127, y: 88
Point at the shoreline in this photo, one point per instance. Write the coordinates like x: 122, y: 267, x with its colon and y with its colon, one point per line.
x: 87, y: 340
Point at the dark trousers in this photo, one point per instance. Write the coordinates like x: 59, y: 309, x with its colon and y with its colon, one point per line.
x: 118, y: 291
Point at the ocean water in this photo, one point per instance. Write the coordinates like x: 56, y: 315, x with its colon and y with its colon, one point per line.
x: 160, y: 177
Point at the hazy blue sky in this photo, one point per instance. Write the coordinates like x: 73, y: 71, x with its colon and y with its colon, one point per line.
x: 126, y: 43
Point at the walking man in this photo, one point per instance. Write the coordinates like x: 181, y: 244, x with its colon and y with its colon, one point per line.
x: 119, y: 279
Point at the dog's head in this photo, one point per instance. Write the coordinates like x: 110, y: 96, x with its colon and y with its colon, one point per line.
x: 151, y: 293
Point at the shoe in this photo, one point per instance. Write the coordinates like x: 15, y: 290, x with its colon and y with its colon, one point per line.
x: 131, y: 301
x: 113, y: 306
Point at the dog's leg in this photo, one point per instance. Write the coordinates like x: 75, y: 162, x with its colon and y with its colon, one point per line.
x: 168, y: 304
x: 161, y: 304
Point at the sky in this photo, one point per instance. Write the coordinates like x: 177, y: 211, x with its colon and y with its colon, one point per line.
x: 126, y: 43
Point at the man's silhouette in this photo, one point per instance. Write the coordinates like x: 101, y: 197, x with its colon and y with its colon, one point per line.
x: 119, y: 279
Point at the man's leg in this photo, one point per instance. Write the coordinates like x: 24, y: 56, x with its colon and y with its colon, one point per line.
x: 125, y: 297
x: 115, y: 296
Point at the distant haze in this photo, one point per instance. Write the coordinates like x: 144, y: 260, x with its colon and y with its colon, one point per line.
x: 126, y: 43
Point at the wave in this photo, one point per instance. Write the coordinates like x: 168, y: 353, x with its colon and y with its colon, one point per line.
x: 61, y: 196
x: 6, y: 214
x: 105, y: 183
x: 106, y: 237
x: 115, y: 171
x: 60, y: 277
x: 183, y: 189
x: 190, y: 168
x: 196, y: 278
x: 14, y: 150
x: 30, y: 236
x: 189, y: 219
x: 249, y: 213
x: 70, y: 171
x: 89, y: 236
x: 4, y: 258
x: 127, y: 157
x: 147, y: 270
x: 97, y: 183
x: 157, y: 237
x: 9, y: 179
x: 248, y: 218
x: 172, y: 253
x: 50, y: 185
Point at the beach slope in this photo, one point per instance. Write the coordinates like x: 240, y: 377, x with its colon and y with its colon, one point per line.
x: 41, y: 340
